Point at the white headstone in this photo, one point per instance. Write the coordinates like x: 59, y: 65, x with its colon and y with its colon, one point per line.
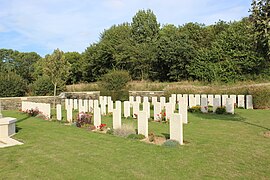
x: 163, y: 102
x: 136, y: 108
x: 71, y: 103
x: 249, y: 102
x: 85, y: 105
x: 66, y: 103
x: 131, y: 100
x: 197, y: 99
x: 81, y: 107
x: 216, y: 104
x: 118, y: 105
x: 69, y: 114
x: 169, y: 110
x: 138, y: 99
x: 191, y: 100
x: 126, y: 109
x: 210, y: 98
x: 146, y: 108
x: 154, y: 100
x: 157, y: 111
x: 58, y: 112
x: 75, y: 103
x: 96, y: 103
x: 230, y: 105
x: 183, y: 111
x: 110, y: 106
x: 223, y: 99
x: 145, y: 99
x: 91, y: 106
x: 142, y: 123
x: 103, y: 107
x: 105, y: 100
x: 204, y: 105
x: 219, y: 97
x: 97, y: 117
x: 176, y: 128
x: 173, y: 98
x: 117, y: 118
x: 178, y: 97
x: 241, y: 101
x: 234, y: 99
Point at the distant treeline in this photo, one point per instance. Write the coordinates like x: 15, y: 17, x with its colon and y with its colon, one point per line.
x: 225, y: 51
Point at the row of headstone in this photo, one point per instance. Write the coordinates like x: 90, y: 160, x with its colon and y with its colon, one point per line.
x: 242, y: 101
x: 44, y: 108
x: 217, y: 103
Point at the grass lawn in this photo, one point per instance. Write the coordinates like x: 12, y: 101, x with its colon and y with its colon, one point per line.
x: 219, y: 147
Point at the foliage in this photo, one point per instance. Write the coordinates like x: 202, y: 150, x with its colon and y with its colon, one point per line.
x: 261, y: 97
x: 162, y: 116
x: 171, y: 143
x: 221, y: 110
x: 136, y: 136
x: 195, y: 109
x: 42, y: 86
x: 115, y: 80
x: 125, y: 130
x: 76, y: 63
x: 12, y: 85
x: 84, y: 119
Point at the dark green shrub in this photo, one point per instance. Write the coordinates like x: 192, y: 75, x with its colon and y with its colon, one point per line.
x: 136, y: 136
x: 12, y: 85
x: 114, y: 80
x: 42, y: 86
x: 171, y: 143
x: 195, y: 109
x: 221, y: 110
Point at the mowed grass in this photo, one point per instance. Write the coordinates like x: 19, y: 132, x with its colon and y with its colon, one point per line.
x: 218, y: 147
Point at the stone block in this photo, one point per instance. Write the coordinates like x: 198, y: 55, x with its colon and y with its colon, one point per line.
x: 142, y: 123
x: 230, y: 105
x: 176, y: 128
x: 241, y: 101
x: 7, y: 127
x: 204, y: 105
x: 249, y: 102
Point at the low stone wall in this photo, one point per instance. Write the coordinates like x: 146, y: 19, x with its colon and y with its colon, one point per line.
x: 147, y: 93
x: 15, y: 103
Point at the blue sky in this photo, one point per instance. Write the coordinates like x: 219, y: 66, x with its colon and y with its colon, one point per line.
x: 72, y: 25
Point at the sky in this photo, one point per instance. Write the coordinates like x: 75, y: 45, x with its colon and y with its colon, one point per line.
x: 72, y: 25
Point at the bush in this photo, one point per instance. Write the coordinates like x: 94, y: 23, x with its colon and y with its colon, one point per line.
x: 42, y: 86
x: 261, y: 97
x: 84, y: 119
x: 12, y: 85
x: 221, y: 110
x: 125, y: 130
x: 195, y: 109
x: 171, y: 143
x: 115, y: 80
x: 136, y: 136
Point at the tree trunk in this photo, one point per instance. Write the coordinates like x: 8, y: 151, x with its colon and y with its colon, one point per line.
x: 54, y: 94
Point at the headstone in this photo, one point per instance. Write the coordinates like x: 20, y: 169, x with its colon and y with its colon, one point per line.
x: 101, y: 99
x: 85, y: 105
x: 157, y: 111
x: 163, y: 102
x: 234, y: 99
x: 146, y: 108
x: 219, y: 97
x: 105, y: 100
x: 145, y: 99
x: 66, y: 103
x: 118, y: 105
x: 96, y: 104
x: 69, y: 114
x: 136, y: 108
x: 178, y: 97
x: 75, y: 103
x: 241, y: 101
x: 110, y: 106
x: 71, y: 103
x: 216, y: 104
x: 103, y: 107
x: 176, y: 128
x: 169, y: 110
x: 97, y: 116
x: 117, y: 118
x: 154, y: 100
x: 138, y: 99
x: 131, y: 100
x: 142, y: 123
x: 91, y: 105
x: 210, y: 99
x: 191, y: 100
x: 81, y: 105
x: 203, y: 96
x: 197, y: 99
x: 204, y: 105
x: 58, y: 112
x: 223, y: 100
x: 126, y: 109
x: 230, y: 105
x: 183, y: 111
x: 173, y: 100
x: 249, y: 102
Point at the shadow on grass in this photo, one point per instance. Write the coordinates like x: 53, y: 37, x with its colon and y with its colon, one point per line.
x: 228, y: 117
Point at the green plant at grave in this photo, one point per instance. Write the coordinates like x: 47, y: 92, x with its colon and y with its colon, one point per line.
x: 221, y: 110
x: 195, y: 109
x: 136, y: 136
x: 162, y: 116
x: 84, y: 119
x: 171, y: 143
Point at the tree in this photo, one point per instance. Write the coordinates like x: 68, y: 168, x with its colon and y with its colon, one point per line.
x: 75, y: 60
x: 261, y: 22
x: 57, y: 68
